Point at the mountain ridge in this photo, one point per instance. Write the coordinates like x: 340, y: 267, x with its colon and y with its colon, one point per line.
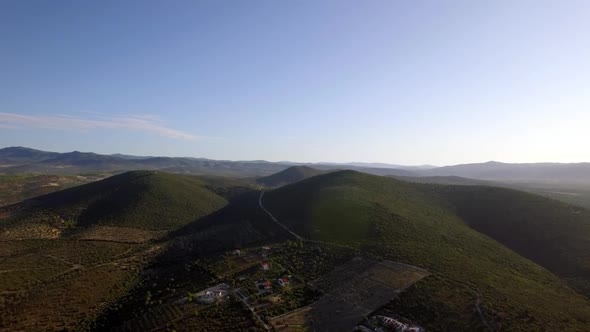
x: 141, y: 199
x: 25, y: 160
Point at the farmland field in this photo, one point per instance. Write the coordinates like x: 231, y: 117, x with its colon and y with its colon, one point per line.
x: 352, y: 291
x: 63, y: 284
x: 15, y: 188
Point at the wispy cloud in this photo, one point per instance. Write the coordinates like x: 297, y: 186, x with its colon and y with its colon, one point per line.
x: 7, y: 126
x: 143, y: 123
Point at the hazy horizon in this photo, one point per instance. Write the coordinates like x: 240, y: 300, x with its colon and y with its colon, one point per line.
x: 407, y: 83
x: 326, y: 162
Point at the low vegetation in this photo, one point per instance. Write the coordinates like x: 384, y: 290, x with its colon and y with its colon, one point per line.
x: 418, y: 224
x: 132, y: 251
x: 553, y: 234
x: 141, y: 199
x: 16, y: 188
x: 288, y: 176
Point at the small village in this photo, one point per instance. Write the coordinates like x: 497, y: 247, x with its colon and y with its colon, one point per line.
x: 260, y: 282
x: 266, y: 281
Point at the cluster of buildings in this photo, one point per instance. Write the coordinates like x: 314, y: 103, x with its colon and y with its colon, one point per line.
x: 265, y: 285
x: 264, y: 251
x: 215, y: 293
x: 386, y: 324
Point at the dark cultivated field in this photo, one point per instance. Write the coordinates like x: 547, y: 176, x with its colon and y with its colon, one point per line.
x: 349, y: 293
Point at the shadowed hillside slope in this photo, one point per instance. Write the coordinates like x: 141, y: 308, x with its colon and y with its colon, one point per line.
x: 140, y: 199
x: 289, y: 175
x: 553, y: 234
x: 417, y: 224
x: 571, y: 193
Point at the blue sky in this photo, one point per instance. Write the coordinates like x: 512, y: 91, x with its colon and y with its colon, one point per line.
x: 408, y: 82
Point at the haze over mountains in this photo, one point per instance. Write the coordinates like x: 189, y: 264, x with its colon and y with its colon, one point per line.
x: 542, y: 172
x: 20, y: 159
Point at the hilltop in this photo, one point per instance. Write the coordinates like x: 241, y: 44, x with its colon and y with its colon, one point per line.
x: 68, y: 255
x: 139, y: 199
x: 418, y: 224
x: 288, y: 176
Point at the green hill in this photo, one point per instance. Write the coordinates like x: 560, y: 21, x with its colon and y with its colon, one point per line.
x: 572, y: 193
x: 68, y: 255
x: 553, y: 234
x: 423, y: 225
x: 140, y: 199
x: 500, y: 259
x: 289, y: 175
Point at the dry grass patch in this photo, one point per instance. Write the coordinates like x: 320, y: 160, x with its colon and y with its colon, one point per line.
x: 69, y: 303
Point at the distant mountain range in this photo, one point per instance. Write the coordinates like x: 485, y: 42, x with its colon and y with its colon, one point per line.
x: 383, y: 165
x: 26, y: 160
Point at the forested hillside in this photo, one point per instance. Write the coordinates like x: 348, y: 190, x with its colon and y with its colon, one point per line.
x: 418, y: 224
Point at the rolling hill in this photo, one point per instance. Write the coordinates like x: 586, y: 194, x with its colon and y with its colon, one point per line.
x: 572, y: 193
x: 553, y: 234
x: 140, y: 199
x: 526, y: 172
x: 68, y: 255
x: 425, y: 225
x: 500, y: 259
x: 288, y: 176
